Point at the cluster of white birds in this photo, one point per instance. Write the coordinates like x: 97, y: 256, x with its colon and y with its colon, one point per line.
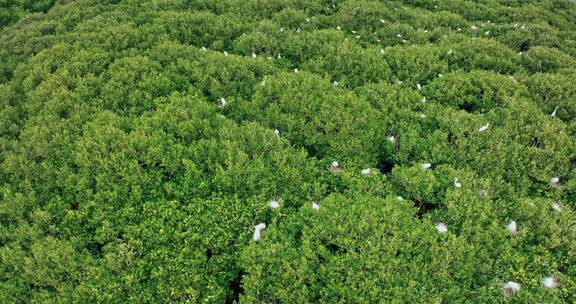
x: 511, y: 287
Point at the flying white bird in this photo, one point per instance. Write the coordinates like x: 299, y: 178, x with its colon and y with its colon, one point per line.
x: 257, y: 229
x: 315, y: 206
x: 366, y: 171
x: 484, y: 127
x: 550, y: 282
x: 511, y: 288
x: 441, y: 227
x: 457, y: 184
x: 274, y: 204
x: 554, y: 113
x: 512, y: 227
x: 222, y: 103
x: 426, y: 166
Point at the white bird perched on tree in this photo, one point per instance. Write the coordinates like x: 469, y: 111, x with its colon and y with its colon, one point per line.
x: 295, y: 70
x: 557, y: 207
x: 422, y: 115
x: 550, y: 282
x: 335, y: 167
x: 484, y: 127
x: 474, y: 27
x: 418, y: 87
x: 315, y: 206
x: 512, y: 227
x: 338, y: 28
x: 381, y: 51
x: 222, y: 103
x: 399, y: 198
x: 257, y: 229
x: 225, y: 53
x: 277, y: 132
x: 511, y: 288
x: 253, y: 55
x: 426, y: 166
x: 555, y: 182
x: 203, y: 49
x: 554, y: 113
x: 457, y: 184
x: 391, y: 138
x: 382, y: 21
x: 423, y: 99
x: 450, y: 51
x: 274, y: 204
x: 366, y: 171
x: 441, y: 227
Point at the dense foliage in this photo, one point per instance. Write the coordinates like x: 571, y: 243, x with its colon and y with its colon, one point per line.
x: 141, y: 143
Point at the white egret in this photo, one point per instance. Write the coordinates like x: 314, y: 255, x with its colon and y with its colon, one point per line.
x: 511, y: 288
x: 257, y: 229
x: 441, y: 227
x: 484, y: 127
